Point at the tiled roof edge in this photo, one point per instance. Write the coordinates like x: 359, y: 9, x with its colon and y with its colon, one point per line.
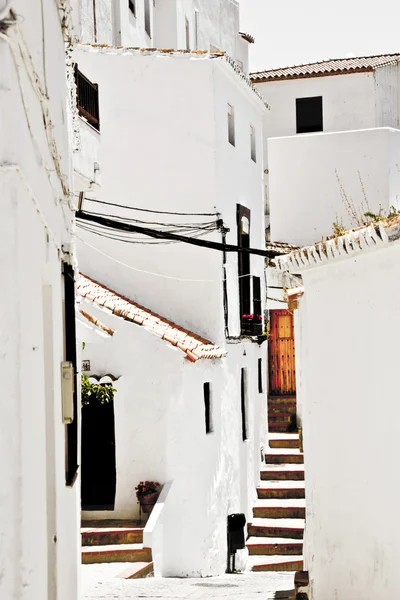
x: 354, y: 241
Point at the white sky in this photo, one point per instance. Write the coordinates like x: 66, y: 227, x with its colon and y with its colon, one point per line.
x: 290, y: 32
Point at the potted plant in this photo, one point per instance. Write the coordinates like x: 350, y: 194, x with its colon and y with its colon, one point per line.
x: 251, y: 324
x: 147, y: 493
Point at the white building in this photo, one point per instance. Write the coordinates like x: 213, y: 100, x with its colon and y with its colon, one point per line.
x: 179, y: 136
x: 325, y: 130
x: 347, y: 324
x: 39, y: 426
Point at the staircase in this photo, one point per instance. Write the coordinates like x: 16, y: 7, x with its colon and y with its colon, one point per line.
x: 281, y: 414
x: 275, y: 535
x: 116, y: 541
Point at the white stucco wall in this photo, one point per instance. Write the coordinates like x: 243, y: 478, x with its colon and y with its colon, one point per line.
x: 305, y: 194
x: 160, y: 435
x: 348, y: 102
x: 183, y: 139
x: 39, y: 521
x: 350, y: 416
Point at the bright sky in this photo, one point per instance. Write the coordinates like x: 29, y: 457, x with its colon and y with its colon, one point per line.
x: 290, y: 32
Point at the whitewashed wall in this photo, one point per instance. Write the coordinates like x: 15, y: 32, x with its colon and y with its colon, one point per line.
x: 348, y: 102
x: 160, y: 435
x: 350, y: 416
x: 184, y: 141
x: 305, y: 194
x: 39, y: 516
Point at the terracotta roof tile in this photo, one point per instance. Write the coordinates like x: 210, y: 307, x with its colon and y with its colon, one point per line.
x: 191, y: 344
x: 109, y: 330
x: 335, y: 66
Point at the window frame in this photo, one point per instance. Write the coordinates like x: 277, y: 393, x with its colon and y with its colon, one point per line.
x: 132, y: 6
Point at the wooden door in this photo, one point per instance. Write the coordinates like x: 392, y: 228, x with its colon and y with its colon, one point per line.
x: 281, y: 364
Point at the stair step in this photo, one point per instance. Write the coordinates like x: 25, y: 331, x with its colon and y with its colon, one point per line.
x: 138, y: 570
x: 276, y: 563
x: 282, y: 509
x: 282, y: 528
x: 284, y: 443
x: 281, y: 417
x: 279, y: 427
x: 282, y: 472
x: 270, y: 546
x: 278, y: 409
x: 282, y: 399
x: 281, y: 489
x: 284, y: 457
x: 115, y: 553
x: 108, y: 536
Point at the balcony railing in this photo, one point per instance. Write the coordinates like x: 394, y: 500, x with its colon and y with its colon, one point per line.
x: 87, y: 99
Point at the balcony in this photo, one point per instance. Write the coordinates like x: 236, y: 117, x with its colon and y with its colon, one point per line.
x: 86, y: 159
x: 251, y: 323
x: 316, y: 180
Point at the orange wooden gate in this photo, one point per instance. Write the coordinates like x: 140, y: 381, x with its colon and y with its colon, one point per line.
x: 282, y: 369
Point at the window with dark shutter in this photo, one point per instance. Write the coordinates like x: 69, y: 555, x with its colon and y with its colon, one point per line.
x: 87, y: 95
x: 309, y: 115
x: 243, y: 402
x: 208, y: 407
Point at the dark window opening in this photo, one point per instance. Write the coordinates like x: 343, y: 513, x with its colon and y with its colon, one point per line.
x: 207, y: 407
x: 132, y: 6
x: 260, y: 376
x: 231, y: 124
x: 87, y: 94
x: 309, y: 115
x: 71, y: 438
x: 243, y: 400
x: 147, y: 23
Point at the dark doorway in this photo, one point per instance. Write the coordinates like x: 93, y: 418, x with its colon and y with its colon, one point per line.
x: 98, y: 456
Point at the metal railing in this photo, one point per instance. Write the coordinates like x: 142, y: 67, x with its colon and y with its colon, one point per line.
x: 87, y: 99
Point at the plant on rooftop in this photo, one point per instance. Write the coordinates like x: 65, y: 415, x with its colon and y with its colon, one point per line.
x: 95, y: 392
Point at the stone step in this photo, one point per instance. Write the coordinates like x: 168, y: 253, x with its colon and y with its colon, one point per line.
x: 276, y: 563
x: 284, y: 442
x: 282, y: 399
x: 278, y: 427
x: 282, y: 472
x: 282, y: 528
x: 108, y: 536
x: 269, y: 546
x: 284, y: 457
x: 281, y: 490
x: 137, y: 570
x: 280, y: 509
x: 279, y: 409
x: 281, y: 417
x: 115, y: 553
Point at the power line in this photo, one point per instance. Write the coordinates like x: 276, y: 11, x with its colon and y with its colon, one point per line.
x: 148, y: 210
x: 121, y: 226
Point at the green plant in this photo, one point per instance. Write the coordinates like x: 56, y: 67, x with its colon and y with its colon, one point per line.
x: 95, y: 392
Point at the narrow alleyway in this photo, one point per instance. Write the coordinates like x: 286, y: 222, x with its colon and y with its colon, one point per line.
x: 100, y: 582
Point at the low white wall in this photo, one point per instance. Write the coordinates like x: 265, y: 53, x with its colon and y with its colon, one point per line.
x: 350, y: 418
x: 305, y: 194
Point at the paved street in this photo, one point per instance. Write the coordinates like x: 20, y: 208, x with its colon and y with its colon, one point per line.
x: 100, y: 582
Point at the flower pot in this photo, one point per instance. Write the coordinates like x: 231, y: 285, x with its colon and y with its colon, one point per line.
x: 147, y: 502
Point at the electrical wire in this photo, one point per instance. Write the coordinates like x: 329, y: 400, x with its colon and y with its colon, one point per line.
x: 148, y: 210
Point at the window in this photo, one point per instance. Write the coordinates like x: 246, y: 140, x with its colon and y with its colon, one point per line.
x: 231, y: 124
x: 147, y: 23
x: 309, y: 114
x: 87, y: 99
x: 187, y: 33
x: 260, y: 376
x: 132, y: 6
x: 243, y: 402
x: 196, y: 29
x: 253, y: 144
x: 207, y: 407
